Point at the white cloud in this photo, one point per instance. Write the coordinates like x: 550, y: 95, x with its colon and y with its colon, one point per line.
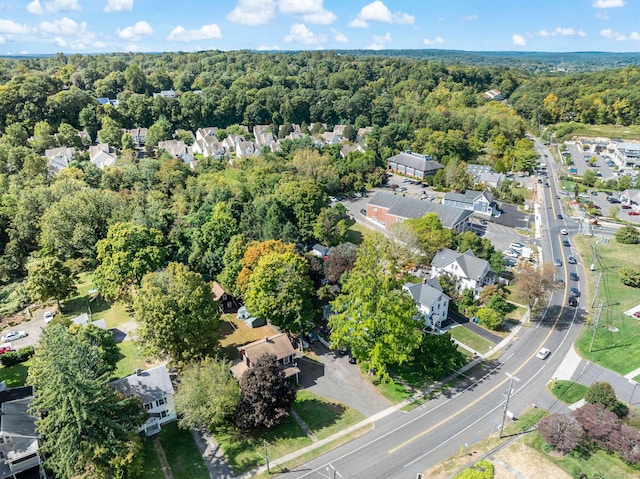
x: 268, y: 47
x: 470, y: 18
x: 519, y: 40
x: 252, y: 12
x: 34, y: 7
x: 608, y: 3
x: 634, y: 36
x: 379, y: 42
x: 602, y: 16
x: 611, y: 35
x: 2, y: 40
x: 299, y: 33
x: 58, y: 6
x: 339, y: 36
x: 563, y: 32
x: 378, y: 12
x: 131, y: 48
x: 11, y: 27
x: 205, y: 32
x: 119, y: 6
x: 61, y: 42
x: 62, y: 26
x: 311, y: 11
x: 435, y: 41
x: 133, y: 32
x: 81, y: 37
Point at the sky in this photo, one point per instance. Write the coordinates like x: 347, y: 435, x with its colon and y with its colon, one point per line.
x: 100, y: 26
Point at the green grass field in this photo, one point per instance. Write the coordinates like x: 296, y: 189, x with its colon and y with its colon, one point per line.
x: 15, y: 375
x: 617, y: 340
x: 151, y: 468
x: 323, y: 416
x: 607, y: 131
x: 357, y: 233
x: 131, y: 359
x: 568, y: 392
x: 182, y: 453
x: 470, y: 339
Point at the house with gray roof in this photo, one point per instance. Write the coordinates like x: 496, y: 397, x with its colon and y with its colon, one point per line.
x: 83, y: 320
x: 476, y: 201
x: 19, y: 445
x: 58, y: 158
x: 490, y: 179
x: 475, y: 169
x: 467, y: 270
x: 388, y: 208
x: 413, y: 165
x: 433, y: 304
x: 154, y: 389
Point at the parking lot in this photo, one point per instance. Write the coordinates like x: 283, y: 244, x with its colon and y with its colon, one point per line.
x: 581, y: 163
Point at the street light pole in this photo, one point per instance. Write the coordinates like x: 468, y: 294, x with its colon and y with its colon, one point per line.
x: 506, y: 405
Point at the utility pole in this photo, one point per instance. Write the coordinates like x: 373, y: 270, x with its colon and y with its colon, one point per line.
x: 595, y: 328
x: 595, y: 293
x: 266, y: 455
x: 506, y: 405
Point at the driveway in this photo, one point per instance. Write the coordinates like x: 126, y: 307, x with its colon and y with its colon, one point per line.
x: 33, y: 329
x: 333, y: 377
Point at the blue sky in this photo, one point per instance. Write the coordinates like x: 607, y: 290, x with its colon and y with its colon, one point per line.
x: 94, y: 26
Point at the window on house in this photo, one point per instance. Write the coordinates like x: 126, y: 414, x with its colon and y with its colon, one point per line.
x: 161, y: 401
x: 148, y: 406
x: 163, y: 413
x: 286, y: 360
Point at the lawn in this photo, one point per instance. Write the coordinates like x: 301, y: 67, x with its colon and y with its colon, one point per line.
x: 568, y: 392
x: 234, y: 332
x: 616, y: 350
x: 324, y: 416
x: 15, y: 375
x: 357, y: 233
x: 471, y: 339
x: 516, y: 314
x: 131, y: 358
x: 243, y: 450
x: 183, y: 455
x: 607, y: 131
x: 113, y: 314
x: 394, y: 391
x: 151, y: 468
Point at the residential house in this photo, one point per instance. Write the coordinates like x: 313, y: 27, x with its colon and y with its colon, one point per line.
x: 279, y: 345
x: 58, y: 158
x: 467, y: 270
x: 202, y: 133
x: 476, y: 201
x: 154, y: 389
x: 362, y: 133
x: 320, y: 251
x: 226, y: 302
x: 433, y: 304
x: 490, y: 179
x: 101, y: 156
x: 83, y: 321
x: 230, y: 141
x: 245, y: 149
x: 492, y: 95
x: 413, y: 165
x: 19, y: 447
x: 85, y: 137
x: 209, y: 146
x: 178, y: 149
x: 388, y: 209
x: 138, y: 135
x: 108, y: 101
x: 165, y: 93
x: 630, y: 198
x: 339, y: 130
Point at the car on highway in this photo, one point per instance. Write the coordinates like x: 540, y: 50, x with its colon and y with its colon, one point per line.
x: 571, y: 260
x: 48, y: 316
x: 564, y: 232
x: 13, y: 335
x: 575, y: 292
x: 560, y: 217
x: 572, y: 301
x: 557, y: 263
x: 633, y: 213
x: 566, y: 243
x: 543, y: 353
x: 573, y: 276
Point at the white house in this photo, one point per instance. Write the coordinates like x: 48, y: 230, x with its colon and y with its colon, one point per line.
x: 58, y: 158
x: 467, y: 270
x: 155, y: 390
x: 477, y: 201
x: 433, y: 304
x: 101, y: 156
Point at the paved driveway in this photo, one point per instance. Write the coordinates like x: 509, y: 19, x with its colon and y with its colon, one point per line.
x: 333, y: 377
x: 32, y: 327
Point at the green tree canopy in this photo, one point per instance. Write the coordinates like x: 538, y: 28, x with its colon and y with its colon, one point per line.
x: 50, y: 278
x: 176, y: 314
x: 627, y: 235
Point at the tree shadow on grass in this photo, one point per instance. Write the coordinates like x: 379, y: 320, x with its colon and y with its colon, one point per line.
x: 318, y: 414
x: 84, y: 304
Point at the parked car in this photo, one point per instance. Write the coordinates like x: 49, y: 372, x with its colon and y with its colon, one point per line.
x: 511, y: 254
x: 575, y: 292
x: 13, y: 335
x: 5, y: 349
x: 363, y: 212
x: 48, y: 316
x: 313, y: 337
x: 543, y: 353
x: 633, y: 213
x: 594, y: 193
x: 572, y: 301
x: 557, y: 263
x: 571, y: 260
x: 483, y: 222
x: 625, y: 207
x: 403, y: 188
x: 573, y: 276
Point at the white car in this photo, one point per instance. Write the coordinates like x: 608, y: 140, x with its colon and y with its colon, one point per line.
x: 13, y: 335
x: 564, y: 232
x: 48, y: 316
x: 543, y: 353
x: 511, y: 254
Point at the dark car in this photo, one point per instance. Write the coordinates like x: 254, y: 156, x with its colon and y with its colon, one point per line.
x: 573, y: 276
x: 571, y: 260
x: 566, y: 243
x: 560, y: 217
x: 483, y: 222
x: 572, y: 301
x: 575, y: 292
x: 313, y: 337
x: 363, y: 212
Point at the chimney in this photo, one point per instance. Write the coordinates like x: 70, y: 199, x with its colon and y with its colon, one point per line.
x: 266, y: 339
x: 138, y: 372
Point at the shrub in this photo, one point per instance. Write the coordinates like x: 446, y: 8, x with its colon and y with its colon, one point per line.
x: 602, y: 393
x: 480, y: 470
x: 15, y: 357
x: 630, y: 277
x: 627, y: 235
x: 561, y: 431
